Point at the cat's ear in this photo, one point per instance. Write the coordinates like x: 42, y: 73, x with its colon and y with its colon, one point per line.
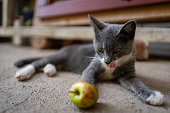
x: 129, y: 28
x: 96, y: 24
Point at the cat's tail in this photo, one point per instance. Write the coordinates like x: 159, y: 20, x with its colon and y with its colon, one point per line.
x: 23, y: 62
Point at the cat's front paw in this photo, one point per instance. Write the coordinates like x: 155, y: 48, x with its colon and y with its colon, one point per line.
x: 25, y: 72
x: 156, y: 98
x: 50, y: 70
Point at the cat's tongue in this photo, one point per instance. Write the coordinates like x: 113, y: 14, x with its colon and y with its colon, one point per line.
x: 112, y: 64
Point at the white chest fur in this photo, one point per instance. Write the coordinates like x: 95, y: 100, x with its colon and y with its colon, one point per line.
x: 108, y: 73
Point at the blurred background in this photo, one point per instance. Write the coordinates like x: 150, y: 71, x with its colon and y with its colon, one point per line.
x: 45, y: 24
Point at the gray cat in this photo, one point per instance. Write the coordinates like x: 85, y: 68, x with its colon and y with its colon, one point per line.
x: 110, y: 57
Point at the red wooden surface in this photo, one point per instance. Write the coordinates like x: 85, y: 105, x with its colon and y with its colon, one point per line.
x: 69, y: 7
x: 42, y: 2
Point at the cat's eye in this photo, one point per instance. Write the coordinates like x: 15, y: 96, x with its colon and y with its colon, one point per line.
x: 117, y: 50
x: 101, y: 50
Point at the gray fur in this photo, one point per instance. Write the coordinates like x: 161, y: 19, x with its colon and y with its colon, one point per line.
x: 86, y: 59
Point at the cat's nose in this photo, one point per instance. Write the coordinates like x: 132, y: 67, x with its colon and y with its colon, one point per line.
x: 107, y: 62
x: 107, y: 58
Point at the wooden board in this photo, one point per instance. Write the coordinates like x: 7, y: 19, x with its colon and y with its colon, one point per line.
x: 82, y: 33
x: 7, y: 12
x: 65, y: 33
x: 151, y: 13
x: 70, y: 7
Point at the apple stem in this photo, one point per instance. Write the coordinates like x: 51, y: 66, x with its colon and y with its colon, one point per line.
x: 76, y: 92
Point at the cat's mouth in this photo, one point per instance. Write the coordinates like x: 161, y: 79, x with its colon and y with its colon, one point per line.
x: 112, y: 64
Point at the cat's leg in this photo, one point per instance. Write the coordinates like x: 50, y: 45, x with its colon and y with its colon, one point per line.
x: 91, y: 72
x: 23, y: 62
x: 28, y: 71
x: 147, y: 95
x: 50, y: 70
x: 25, y: 73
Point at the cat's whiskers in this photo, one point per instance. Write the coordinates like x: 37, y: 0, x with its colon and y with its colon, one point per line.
x: 94, y: 58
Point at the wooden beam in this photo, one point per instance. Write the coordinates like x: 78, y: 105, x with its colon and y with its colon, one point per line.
x: 79, y: 33
x: 82, y: 33
x: 153, y: 34
x: 150, y: 13
x: 4, y: 12
x: 70, y: 7
x: 8, y: 9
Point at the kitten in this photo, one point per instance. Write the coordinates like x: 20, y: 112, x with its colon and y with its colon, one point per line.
x: 113, y: 58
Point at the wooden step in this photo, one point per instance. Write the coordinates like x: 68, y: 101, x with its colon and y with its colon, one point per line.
x: 81, y: 33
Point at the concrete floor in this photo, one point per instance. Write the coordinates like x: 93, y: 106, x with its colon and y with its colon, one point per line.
x: 50, y: 94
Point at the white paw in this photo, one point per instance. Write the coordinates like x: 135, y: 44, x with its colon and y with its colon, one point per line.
x: 50, y: 70
x: 156, y: 99
x: 25, y: 72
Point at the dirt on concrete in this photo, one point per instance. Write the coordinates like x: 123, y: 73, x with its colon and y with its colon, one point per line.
x: 42, y: 94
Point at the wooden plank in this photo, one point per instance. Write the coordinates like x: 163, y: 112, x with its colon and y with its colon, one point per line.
x: 153, y: 34
x: 70, y: 7
x: 66, y: 33
x: 42, y: 2
x: 151, y: 13
x: 82, y: 33
x: 4, y: 13
x: 8, y: 12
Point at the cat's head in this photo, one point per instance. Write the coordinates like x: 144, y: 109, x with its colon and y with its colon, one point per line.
x: 113, y: 41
